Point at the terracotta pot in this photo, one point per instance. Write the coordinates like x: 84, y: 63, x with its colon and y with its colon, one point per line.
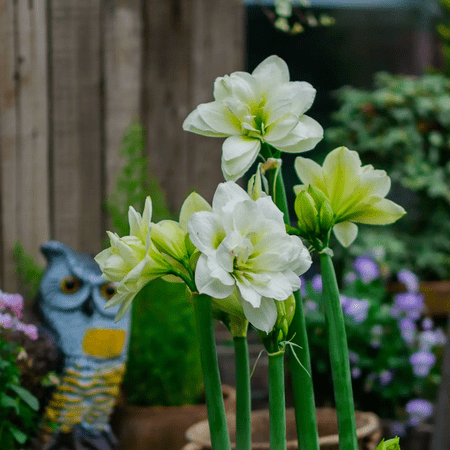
x: 368, y: 431
x: 160, y: 427
x: 437, y: 295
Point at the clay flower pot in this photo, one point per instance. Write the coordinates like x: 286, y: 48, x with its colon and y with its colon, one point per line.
x: 368, y: 426
x: 160, y: 427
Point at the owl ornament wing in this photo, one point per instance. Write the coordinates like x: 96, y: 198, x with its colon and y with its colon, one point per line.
x: 72, y: 296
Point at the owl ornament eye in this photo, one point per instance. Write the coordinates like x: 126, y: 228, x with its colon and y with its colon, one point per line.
x: 108, y: 290
x: 70, y: 284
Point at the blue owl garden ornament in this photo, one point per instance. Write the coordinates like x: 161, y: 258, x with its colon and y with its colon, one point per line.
x: 93, y: 348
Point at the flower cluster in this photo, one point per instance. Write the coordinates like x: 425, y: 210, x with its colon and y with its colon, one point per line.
x: 10, y: 320
x: 393, y: 345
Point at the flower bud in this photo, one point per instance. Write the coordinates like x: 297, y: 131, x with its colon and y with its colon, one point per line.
x: 326, y: 216
x: 307, y: 213
x: 286, y: 310
x: 169, y: 238
x: 391, y: 444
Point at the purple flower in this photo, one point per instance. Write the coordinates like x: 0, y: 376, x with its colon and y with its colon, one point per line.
x: 350, y: 278
x: 6, y: 320
x: 408, y: 330
x: 353, y: 357
x: 344, y: 301
x: 311, y: 306
x: 316, y: 283
x: 427, y: 324
x: 357, y: 309
x: 367, y: 268
x: 418, y: 410
x: 397, y: 429
x: 409, y: 279
x: 385, y: 377
x: 302, y: 287
x: 411, y: 303
x: 356, y: 372
x: 440, y: 336
x: 422, y: 363
x: 12, y: 301
x: 427, y: 340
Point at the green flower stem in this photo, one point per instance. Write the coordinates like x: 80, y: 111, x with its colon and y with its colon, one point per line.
x: 340, y: 365
x: 302, y: 386
x: 277, y: 406
x: 243, y: 395
x: 211, y: 377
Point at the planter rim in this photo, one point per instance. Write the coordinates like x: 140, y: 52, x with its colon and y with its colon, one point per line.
x: 196, y: 434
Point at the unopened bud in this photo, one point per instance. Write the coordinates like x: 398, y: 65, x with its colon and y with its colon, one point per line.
x: 285, y: 310
x: 326, y: 216
x: 306, y: 212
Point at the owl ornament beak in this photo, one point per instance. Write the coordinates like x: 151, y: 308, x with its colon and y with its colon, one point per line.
x: 103, y: 342
x: 88, y: 307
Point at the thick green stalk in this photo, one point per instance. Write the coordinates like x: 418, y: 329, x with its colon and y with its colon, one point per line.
x: 243, y: 395
x: 340, y: 365
x: 302, y: 386
x: 277, y: 404
x: 211, y: 377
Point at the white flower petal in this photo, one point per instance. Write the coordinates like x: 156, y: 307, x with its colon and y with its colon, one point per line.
x: 302, y: 138
x: 195, y: 124
x: 264, y: 317
x: 239, y: 146
x: 382, y: 212
x: 205, y: 231
x: 248, y: 293
x: 227, y: 195
x: 219, y: 118
x: 212, y: 285
x: 271, y: 72
x: 281, y: 128
x: 193, y: 203
x: 345, y: 232
x: 310, y: 173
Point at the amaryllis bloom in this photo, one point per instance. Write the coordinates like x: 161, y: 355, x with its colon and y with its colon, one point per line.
x: 356, y: 193
x: 133, y: 261
x: 245, y: 250
x: 250, y: 109
x: 367, y: 268
x: 418, y: 410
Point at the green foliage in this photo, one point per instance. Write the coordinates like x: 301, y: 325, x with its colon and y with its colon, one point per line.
x: 377, y: 346
x: 18, y: 408
x: 28, y: 270
x: 403, y: 127
x: 163, y: 365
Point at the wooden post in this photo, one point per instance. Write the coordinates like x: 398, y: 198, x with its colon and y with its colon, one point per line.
x: 23, y: 132
x: 76, y: 157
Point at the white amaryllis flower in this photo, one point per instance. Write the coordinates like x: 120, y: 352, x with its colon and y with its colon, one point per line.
x: 245, y: 250
x: 253, y: 108
x: 356, y: 193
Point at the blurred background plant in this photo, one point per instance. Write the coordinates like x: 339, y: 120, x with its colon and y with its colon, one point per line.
x: 402, y: 125
x: 395, y: 349
x: 18, y: 407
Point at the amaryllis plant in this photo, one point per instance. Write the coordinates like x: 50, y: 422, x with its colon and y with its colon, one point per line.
x: 241, y: 258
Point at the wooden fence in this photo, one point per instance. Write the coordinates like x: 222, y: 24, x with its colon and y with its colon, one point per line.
x: 73, y: 75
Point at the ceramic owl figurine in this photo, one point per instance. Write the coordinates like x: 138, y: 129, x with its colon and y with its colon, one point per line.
x: 70, y: 303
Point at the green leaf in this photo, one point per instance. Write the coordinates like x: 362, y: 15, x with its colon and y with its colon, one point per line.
x: 19, y: 436
x: 8, y: 402
x: 26, y: 396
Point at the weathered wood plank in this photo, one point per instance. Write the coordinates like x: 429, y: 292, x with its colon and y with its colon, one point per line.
x: 122, y: 71
x: 188, y: 44
x: 8, y: 143
x: 32, y: 152
x: 166, y: 65
x: 76, y: 142
x: 218, y: 48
